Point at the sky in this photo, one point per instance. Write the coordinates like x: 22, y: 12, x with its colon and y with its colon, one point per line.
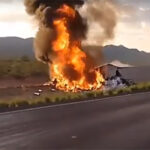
x: 132, y: 30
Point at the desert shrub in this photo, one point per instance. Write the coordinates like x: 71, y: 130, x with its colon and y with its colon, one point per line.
x: 4, y: 105
x: 39, y: 102
x: 25, y: 58
x: 21, y: 68
x: 81, y: 96
x: 17, y: 71
x: 110, y: 92
x: 47, y: 99
x: 90, y: 94
x: 13, y: 104
x: 140, y: 86
x: 105, y: 93
x: 115, y: 92
x: 148, y: 85
x: 65, y: 99
x: 128, y: 90
x: 99, y: 93
x: 57, y: 99
x: 121, y: 91
x: 133, y: 88
x: 23, y: 103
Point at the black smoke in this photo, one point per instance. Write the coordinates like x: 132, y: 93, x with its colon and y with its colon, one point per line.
x: 45, y: 12
x: 33, y: 5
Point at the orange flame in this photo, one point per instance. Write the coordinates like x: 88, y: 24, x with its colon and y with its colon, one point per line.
x: 69, y: 54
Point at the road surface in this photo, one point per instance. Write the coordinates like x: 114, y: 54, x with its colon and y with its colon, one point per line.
x: 121, y: 122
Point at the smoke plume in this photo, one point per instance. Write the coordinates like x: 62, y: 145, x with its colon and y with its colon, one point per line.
x: 45, y: 12
x: 100, y: 12
x: 103, y: 15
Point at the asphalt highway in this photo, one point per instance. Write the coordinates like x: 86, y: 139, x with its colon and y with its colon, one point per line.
x: 121, y: 122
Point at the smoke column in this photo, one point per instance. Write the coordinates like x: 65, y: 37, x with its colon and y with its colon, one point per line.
x: 104, y: 14
x: 101, y: 12
x: 45, y: 12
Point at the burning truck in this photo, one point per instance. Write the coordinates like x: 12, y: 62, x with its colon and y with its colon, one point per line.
x: 114, y: 78
x: 58, y: 42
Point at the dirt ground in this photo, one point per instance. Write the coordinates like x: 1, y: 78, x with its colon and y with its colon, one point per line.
x: 10, y: 82
x: 16, y: 88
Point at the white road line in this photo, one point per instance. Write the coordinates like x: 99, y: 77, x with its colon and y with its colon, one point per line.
x: 67, y: 104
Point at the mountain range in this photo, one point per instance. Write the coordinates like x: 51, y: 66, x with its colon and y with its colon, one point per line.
x: 14, y: 47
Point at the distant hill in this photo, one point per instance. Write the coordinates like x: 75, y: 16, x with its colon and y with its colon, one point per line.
x: 127, y: 56
x: 13, y: 47
x: 124, y: 55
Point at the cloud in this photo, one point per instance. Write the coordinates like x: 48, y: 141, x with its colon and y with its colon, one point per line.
x: 20, y: 29
x: 10, y: 1
x: 13, y: 12
x: 134, y: 12
x: 15, y: 17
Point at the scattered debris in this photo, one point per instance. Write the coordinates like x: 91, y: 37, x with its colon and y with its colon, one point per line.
x: 74, y: 137
x: 53, y: 90
x: 37, y: 94
x: 117, y: 81
x: 40, y: 90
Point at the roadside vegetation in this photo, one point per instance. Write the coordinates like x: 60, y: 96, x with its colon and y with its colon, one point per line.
x: 22, y: 67
x: 61, y: 97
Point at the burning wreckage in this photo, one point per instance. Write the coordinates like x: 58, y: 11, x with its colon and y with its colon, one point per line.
x: 58, y: 42
x: 110, y: 82
x: 113, y: 81
x: 117, y: 81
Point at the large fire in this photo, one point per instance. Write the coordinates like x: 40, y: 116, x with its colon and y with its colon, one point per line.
x: 72, y: 69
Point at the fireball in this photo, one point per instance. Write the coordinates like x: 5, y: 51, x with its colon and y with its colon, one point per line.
x: 72, y: 69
